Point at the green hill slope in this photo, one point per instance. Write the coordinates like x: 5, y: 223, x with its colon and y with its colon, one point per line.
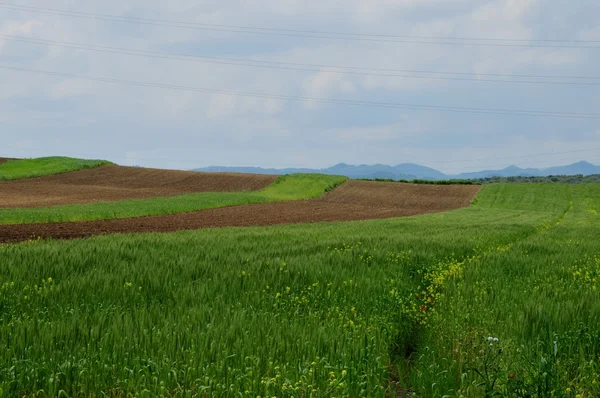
x: 28, y: 168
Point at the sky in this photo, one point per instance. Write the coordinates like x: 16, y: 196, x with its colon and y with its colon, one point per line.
x: 45, y: 115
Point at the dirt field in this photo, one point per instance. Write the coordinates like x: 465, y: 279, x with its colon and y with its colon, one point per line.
x: 354, y: 200
x: 112, y: 183
x: 3, y: 160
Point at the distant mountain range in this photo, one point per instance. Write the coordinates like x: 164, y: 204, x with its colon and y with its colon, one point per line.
x: 410, y: 171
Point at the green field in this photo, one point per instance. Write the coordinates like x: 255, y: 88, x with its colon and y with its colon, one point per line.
x: 28, y: 168
x: 289, y: 187
x: 372, y: 308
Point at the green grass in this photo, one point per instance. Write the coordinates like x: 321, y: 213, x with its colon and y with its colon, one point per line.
x: 28, y: 168
x: 538, y: 296
x: 333, y: 309
x: 289, y: 187
x: 301, y: 186
x: 542, y: 197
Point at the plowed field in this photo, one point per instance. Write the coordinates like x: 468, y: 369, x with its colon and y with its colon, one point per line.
x: 113, y: 183
x: 3, y: 160
x: 354, y: 200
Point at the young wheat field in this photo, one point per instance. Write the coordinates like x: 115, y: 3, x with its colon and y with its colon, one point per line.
x: 499, y: 299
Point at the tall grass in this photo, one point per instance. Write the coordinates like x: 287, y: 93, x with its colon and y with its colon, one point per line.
x: 28, y: 168
x: 289, y: 187
x: 538, y: 299
x: 371, y: 308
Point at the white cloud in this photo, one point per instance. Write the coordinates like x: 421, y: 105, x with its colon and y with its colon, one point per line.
x: 273, y: 106
x: 385, y: 133
x: 325, y: 85
x: 18, y: 28
x: 517, y: 9
x: 221, y: 105
x: 590, y: 34
x: 25, y: 27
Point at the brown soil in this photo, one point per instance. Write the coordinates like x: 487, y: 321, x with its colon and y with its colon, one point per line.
x: 4, y: 160
x: 113, y: 183
x: 354, y: 200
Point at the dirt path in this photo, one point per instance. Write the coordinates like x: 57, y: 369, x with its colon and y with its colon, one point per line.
x: 113, y: 183
x: 354, y: 200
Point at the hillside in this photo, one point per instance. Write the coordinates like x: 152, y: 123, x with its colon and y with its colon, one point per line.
x: 16, y: 169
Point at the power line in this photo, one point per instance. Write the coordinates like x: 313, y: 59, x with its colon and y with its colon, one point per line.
x: 456, y: 41
x: 298, y: 67
x: 307, y: 31
x: 389, y: 105
x: 319, y: 65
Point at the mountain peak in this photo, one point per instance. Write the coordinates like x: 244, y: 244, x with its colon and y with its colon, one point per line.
x: 512, y: 167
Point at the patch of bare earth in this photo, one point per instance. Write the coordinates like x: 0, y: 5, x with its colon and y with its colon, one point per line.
x: 353, y: 200
x: 113, y: 183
